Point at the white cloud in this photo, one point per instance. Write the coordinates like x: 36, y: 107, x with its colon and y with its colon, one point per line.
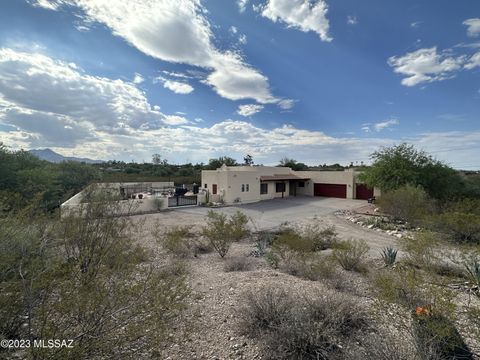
x: 416, y: 24
x: 286, y: 104
x: 379, y: 126
x: 234, y: 80
x: 176, y: 31
x: 52, y: 99
x: 242, y: 39
x: 242, y: 5
x: 473, y: 27
x: 473, y: 62
x: 385, y: 124
x: 138, y: 79
x: 352, y: 20
x: 249, y: 109
x: 303, y: 15
x: 233, y: 30
x: 426, y: 65
x: 178, y: 87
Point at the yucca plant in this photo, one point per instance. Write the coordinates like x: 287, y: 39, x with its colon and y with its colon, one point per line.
x: 472, y: 267
x: 389, y: 255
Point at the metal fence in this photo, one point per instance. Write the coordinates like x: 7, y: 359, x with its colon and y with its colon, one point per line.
x: 174, y: 201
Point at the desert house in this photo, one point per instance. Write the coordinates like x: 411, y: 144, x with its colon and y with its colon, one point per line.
x: 234, y: 184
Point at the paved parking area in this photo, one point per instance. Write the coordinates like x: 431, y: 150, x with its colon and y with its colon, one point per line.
x: 271, y: 213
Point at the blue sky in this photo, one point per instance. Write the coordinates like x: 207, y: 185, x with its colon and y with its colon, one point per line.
x: 320, y: 81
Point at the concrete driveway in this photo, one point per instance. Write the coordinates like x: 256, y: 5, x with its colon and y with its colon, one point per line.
x: 271, y: 213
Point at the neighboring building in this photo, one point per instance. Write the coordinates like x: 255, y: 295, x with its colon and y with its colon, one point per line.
x: 232, y: 184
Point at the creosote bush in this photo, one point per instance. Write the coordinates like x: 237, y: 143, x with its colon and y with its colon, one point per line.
x: 177, y: 240
x: 302, y: 327
x: 408, y: 203
x: 350, y: 254
x: 83, y: 278
x: 221, y: 230
x: 237, y: 263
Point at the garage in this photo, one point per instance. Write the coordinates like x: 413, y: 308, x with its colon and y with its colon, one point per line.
x: 363, y: 192
x: 330, y: 190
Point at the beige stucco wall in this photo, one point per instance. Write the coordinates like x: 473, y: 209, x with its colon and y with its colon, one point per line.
x: 230, y: 180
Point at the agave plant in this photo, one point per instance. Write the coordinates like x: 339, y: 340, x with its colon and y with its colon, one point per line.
x: 389, y: 255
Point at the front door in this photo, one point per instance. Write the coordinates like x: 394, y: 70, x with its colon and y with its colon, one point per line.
x: 293, y: 188
x: 214, y: 189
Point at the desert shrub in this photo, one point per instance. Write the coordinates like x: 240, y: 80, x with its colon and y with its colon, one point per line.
x: 177, y: 240
x: 221, y: 231
x: 238, y: 223
x: 460, y: 221
x: 420, y: 250
x: 437, y: 337
x: 408, y: 203
x: 389, y: 255
x: 301, y: 327
x: 83, y: 278
x: 351, y: 254
x: 238, y: 263
x: 383, y: 346
x: 272, y: 259
x: 319, y: 238
x: 399, y: 286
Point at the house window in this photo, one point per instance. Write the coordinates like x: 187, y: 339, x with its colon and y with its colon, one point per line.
x: 206, y: 187
x: 243, y: 187
x: 263, y: 189
x: 248, y: 187
x: 301, y: 184
x: 280, y: 187
x: 214, y: 189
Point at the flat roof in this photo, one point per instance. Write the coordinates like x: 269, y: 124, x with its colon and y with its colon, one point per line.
x: 282, y: 177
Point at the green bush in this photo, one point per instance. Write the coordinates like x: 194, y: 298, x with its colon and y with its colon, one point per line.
x: 460, y: 221
x: 351, y: 254
x: 320, y: 238
x: 178, y: 240
x: 408, y: 203
x: 84, y: 278
x: 221, y: 231
x: 300, y: 327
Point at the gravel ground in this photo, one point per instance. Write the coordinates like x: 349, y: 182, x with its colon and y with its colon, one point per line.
x: 210, y: 326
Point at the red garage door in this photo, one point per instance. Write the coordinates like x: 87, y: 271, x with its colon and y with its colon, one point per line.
x: 363, y: 192
x: 330, y: 190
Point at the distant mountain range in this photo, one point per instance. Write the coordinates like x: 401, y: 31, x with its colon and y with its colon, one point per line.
x: 52, y: 156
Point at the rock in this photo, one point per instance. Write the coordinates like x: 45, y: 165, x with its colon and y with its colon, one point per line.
x: 370, y: 226
x: 399, y: 236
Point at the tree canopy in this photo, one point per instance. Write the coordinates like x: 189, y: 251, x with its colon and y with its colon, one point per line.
x: 214, y: 164
x: 401, y: 165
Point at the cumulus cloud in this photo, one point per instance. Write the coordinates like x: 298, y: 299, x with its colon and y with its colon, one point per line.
x: 242, y: 39
x: 176, y: 31
x: 138, y: 79
x: 426, y: 65
x: 473, y: 27
x: 303, y: 15
x: 57, y: 101
x: 249, y: 109
x: 178, y: 87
